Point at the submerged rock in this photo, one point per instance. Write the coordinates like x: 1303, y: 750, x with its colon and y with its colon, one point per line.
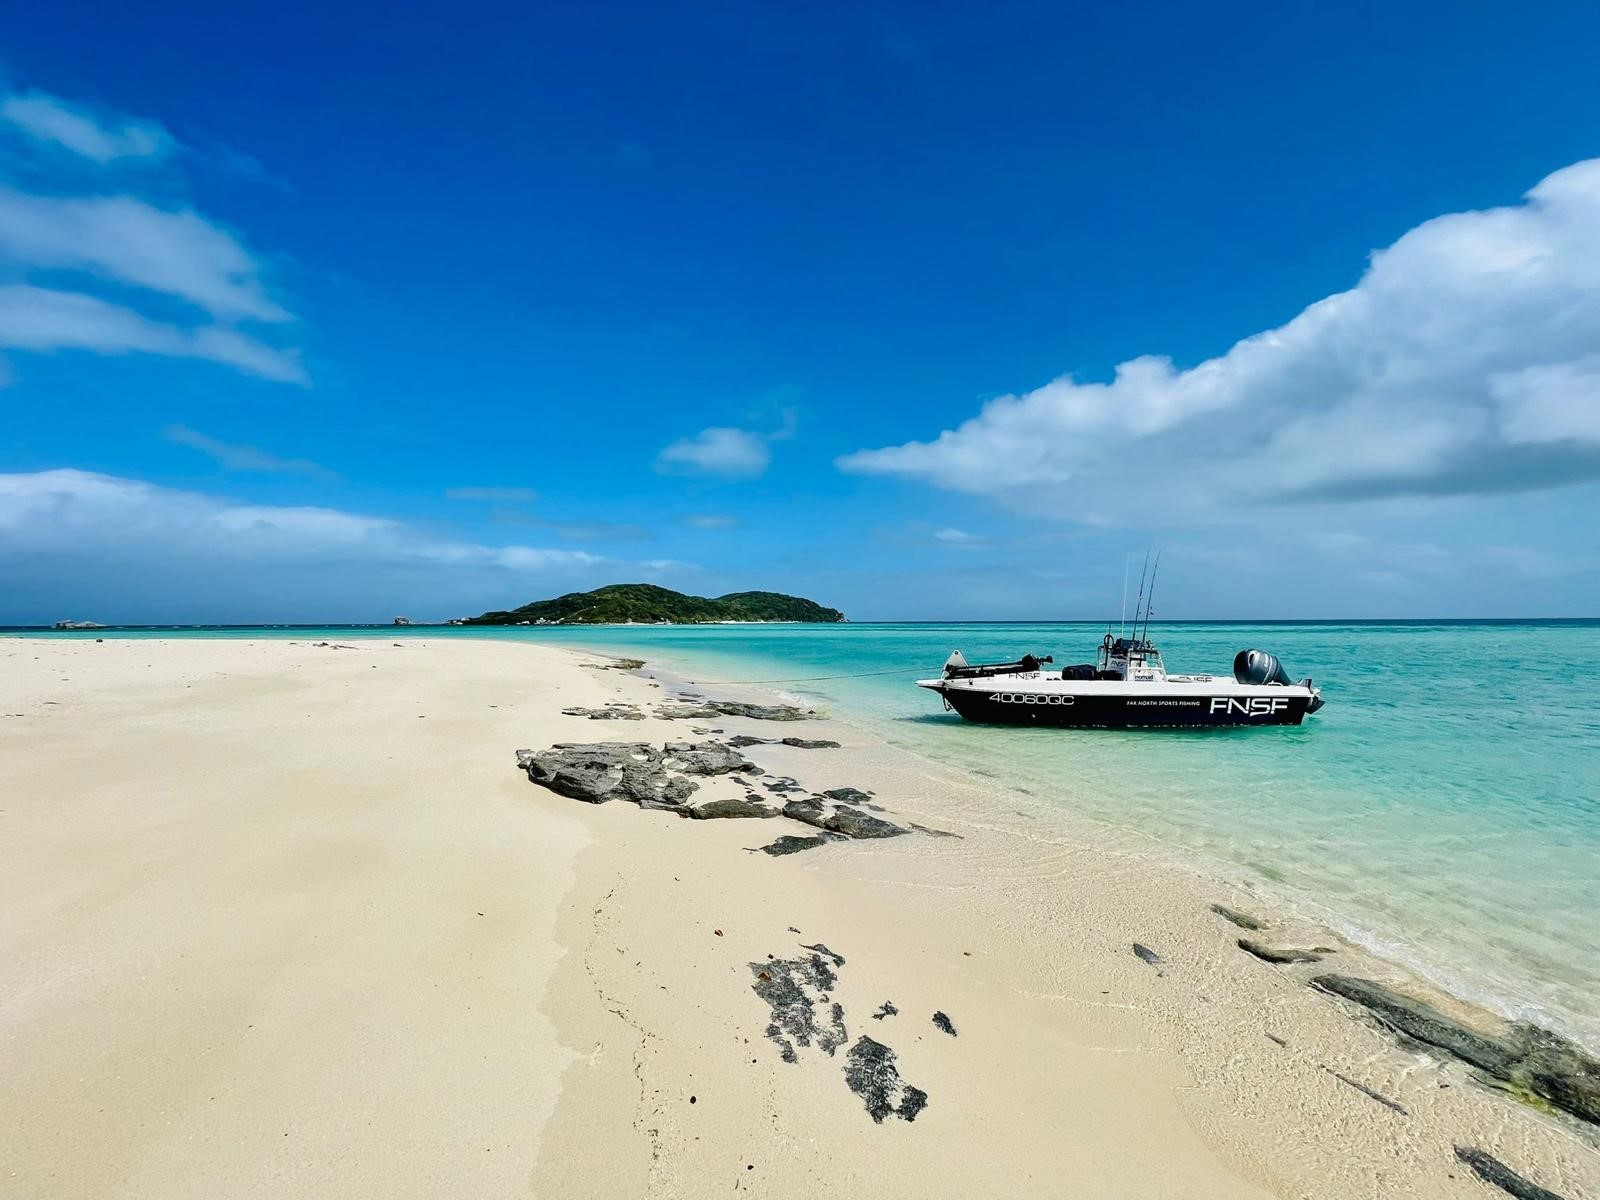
x: 870, y: 1072
x: 1525, y: 1059
x: 847, y: 821
x: 710, y: 710
x: 1278, y: 954
x: 1491, y: 1170
x: 1242, y: 920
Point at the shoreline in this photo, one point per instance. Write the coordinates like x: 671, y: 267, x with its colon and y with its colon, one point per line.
x: 1206, y: 1072
x: 1339, y: 1023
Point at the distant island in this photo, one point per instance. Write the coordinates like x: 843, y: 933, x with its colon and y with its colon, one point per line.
x: 646, y: 604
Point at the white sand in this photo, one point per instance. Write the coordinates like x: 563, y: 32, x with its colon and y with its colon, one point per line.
x: 283, y: 920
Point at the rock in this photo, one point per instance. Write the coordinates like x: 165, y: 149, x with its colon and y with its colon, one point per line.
x: 793, y: 989
x: 730, y: 806
x: 601, y: 771
x: 887, y: 1010
x: 759, y: 712
x: 809, y: 743
x: 705, y: 758
x: 611, y: 712
x: 791, y: 843
x: 1146, y: 955
x: 943, y: 1024
x: 1491, y: 1170
x: 871, y: 1073
x: 1422, y: 1022
x: 1242, y: 920
x: 675, y: 791
x: 859, y: 825
x: 1526, y: 1059
x: 849, y: 795
x: 783, y: 784
x: 686, y: 712
x: 847, y: 821
x: 741, y: 740
x: 1278, y: 954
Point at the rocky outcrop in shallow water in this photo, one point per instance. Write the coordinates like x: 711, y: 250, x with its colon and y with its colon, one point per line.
x: 710, y: 710
x: 1491, y: 1170
x: 1525, y: 1060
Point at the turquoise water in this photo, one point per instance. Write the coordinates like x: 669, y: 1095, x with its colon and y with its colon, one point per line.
x: 1444, y: 807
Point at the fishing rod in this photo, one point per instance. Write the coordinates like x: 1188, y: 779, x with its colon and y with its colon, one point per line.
x: 1142, y: 572
x: 1151, y: 603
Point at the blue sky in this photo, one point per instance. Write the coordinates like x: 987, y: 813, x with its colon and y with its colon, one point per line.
x: 924, y: 310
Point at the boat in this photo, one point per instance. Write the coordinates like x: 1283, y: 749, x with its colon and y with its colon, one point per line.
x: 1127, y: 687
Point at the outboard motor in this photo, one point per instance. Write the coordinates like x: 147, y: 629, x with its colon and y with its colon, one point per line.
x: 1257, y: 666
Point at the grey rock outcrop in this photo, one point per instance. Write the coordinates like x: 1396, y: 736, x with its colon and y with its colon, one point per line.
x: 1524, y: 1059
x: 710, y: 710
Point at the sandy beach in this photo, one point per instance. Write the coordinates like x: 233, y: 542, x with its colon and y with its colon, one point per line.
x: 284, y: 919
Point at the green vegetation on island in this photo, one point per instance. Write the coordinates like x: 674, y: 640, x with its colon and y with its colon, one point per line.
x: 646, y: 604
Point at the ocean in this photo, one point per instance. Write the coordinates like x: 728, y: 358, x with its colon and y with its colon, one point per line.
x: 1443, y: 808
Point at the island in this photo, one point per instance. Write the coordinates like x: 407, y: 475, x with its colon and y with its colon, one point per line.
x: 647, y: 604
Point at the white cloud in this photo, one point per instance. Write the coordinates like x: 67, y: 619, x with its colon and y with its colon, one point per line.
x: 83, y: 270
x: 240, y: 457
x: 711, y: 521
x: 957, y: 536
x: 127, y: 550
x: 731, y: 453
x: 102, y: 139
x: 120, y: 238
x: 1463, y: 362
x: 734, y: 453
x: 42, y: 320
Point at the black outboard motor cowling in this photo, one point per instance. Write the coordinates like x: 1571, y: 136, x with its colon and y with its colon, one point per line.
x: 1257, y: 666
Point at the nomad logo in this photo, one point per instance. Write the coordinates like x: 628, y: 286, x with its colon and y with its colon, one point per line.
x: 1256, y: 706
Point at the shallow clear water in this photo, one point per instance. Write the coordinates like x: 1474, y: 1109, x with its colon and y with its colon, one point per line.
x: 1444, y: 806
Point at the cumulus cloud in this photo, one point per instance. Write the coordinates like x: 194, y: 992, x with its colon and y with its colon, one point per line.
x: 1463, y: 362
x: 733, y: 453
x: 126, y: 550
x: 100, y: 138
x: 241, y: 457
x: 85, y: 268
x: 720, y: 450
